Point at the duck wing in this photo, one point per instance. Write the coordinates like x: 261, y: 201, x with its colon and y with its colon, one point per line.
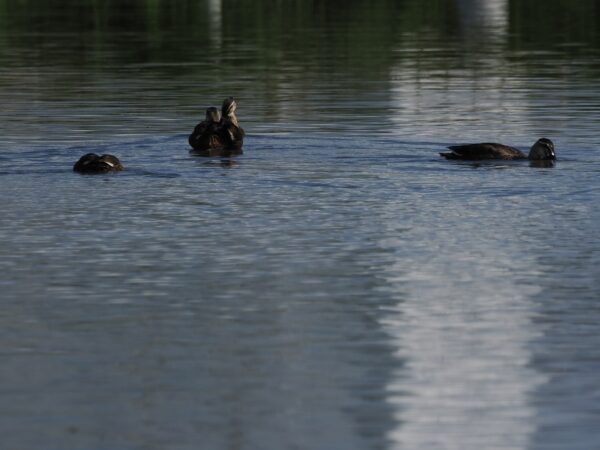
x: 483, y: 151
x: 109, y: 162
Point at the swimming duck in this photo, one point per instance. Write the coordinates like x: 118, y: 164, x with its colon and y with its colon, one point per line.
x: 92, y: 163
x: 542, y: 150
x: 206, y: 134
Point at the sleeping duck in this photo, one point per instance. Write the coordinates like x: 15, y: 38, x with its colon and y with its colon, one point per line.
x: 92, y: 163
x: 542, y: 150
x: 206, y: 134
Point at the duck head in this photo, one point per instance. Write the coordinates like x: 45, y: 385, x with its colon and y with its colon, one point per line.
x: 543, y: 149
x: 229, y: 107
x: 213, y: 115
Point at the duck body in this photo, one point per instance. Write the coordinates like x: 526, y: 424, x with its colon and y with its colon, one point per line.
x: 93, y: 163
x: 542, y: 150
x: 219, y: 134
x: 483, y: 151
x: 206, y: 134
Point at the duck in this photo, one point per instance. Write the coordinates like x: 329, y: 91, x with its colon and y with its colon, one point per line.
x: 206, y: 134
x: 219, y: 134
x: 230, y: 131
x: 542, y: 150
x: 93, y: 163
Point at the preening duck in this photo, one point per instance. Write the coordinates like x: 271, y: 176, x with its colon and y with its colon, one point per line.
x: 231, y: 132
x: 219, y: 134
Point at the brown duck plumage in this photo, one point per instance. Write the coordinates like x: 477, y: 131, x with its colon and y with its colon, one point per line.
x: 92, y: 163
x: 218, y: 134
x: 543, y: 149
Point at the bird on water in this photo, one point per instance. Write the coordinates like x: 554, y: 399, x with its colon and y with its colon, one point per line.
x: 93, y: 163
x: 206, y: 133
x: 542, y: 150
x: 218, y: 133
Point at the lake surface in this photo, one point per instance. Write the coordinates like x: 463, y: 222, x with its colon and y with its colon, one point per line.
x: 339, y: 286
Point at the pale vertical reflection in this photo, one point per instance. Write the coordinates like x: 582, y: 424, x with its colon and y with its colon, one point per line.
x: 463, y: 330
x: 450, y: 105
x: 446, y: 87
x: 490, y: 16
x: 215, y: 12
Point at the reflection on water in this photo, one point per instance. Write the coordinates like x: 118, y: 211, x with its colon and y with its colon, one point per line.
x: 488, y: 18
x: 465, y: 332
x: 215, y: 11
x: 337, y: 286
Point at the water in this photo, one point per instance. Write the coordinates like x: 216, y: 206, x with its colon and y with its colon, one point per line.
x: 337, y: 286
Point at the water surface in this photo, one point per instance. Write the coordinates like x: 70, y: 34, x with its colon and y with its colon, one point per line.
x: 337, y: 286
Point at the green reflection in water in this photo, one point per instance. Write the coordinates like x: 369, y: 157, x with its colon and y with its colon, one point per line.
x: 544, y: 24
x: 356, y: 34
x: 286, y: 60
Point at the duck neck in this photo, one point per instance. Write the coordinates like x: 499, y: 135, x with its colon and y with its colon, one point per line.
x: 232, y: 119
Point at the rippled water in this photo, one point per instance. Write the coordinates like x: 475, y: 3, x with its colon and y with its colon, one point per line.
x: 337, y: 286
